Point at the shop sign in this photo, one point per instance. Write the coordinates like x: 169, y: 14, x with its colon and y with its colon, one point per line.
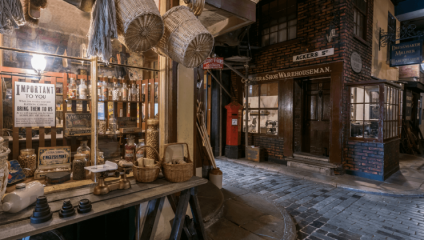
x: 312, y: 55
x: 214, y: 63
x: 34, y: 105
x: 292, y: 74
x: 406, y: 53
x: 78, y: 124
x: 356, y: 62
x: 54, y: 157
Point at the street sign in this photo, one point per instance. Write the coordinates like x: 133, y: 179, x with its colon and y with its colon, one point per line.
x: 214, y: 63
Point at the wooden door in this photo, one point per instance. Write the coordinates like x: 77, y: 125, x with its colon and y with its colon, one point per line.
x: 317, y: 112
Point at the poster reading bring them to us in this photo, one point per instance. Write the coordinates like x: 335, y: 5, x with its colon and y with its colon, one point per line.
x: 34, y: 105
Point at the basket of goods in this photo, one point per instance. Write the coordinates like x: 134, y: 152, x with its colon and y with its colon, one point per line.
x: 177, y: 166
x: 140, y: 26
x: 146, y: 169
x: 185, y: 40
x: 4, y: 167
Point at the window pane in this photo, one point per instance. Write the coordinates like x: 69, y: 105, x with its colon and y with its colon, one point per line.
x: 357, y: 112
x: 292, y: 32
x: 274, y: 28
x: 265, y: 31
x: 356, y: 129
x: 371, y: 129
x: 282, y: 35
x: 372, y: 94
x: 265, y: 40
x: 283, y: 20
x: 357, y: 94
x: 253, y: 121
x: 372, y: 112
x: 283, y: 25
x: 386, y: 112
x: 265, y: 9
x: 269, y: 122
x: 273, y: 38
x: 385, y: 93
x: 269, y: 95
x: 253, y: 96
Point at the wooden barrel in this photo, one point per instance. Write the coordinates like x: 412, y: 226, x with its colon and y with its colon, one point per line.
x: 185, y: 40
x: 140, y: 26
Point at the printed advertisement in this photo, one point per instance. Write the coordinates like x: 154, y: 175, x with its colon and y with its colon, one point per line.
x: 34, y: 105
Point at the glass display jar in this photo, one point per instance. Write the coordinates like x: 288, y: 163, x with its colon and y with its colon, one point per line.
x: 72, y: 89
x: 28, y: 161
x: 99, y: 90
x: 83, y: 148
x: 109, y: 87
x: 138, y: 93
x: 82, y: 90
x: 102, y: 127
x: 124, y: 91
x: 115, y: 92
x: 112, y: 124
x: 89, y: 91
x: 130, y: 149
x: 104, y: 90
x: 100, y: 158
x: 140, y: 152
x: 78, y: 171
x: 133, y: 93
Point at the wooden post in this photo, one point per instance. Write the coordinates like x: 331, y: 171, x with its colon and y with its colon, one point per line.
x: 197, y: 214
x: 93, y: 74
x: 153, y: 212
x: 178, y: 224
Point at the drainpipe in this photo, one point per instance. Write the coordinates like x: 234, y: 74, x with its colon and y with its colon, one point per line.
x: 220, y: 113
x: 246, y: 97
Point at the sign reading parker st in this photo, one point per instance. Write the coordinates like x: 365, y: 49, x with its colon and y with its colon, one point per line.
x: 407, y: 53
x: 312, y: 55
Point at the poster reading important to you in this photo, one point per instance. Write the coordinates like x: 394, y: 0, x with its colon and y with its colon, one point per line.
x: 34, y: 105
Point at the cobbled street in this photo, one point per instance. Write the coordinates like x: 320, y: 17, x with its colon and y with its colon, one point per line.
x: 325, y: 212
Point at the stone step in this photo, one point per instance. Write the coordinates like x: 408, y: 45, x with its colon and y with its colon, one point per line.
x: 211, y: 201
x: 319, y: 166
x: 310, y: 156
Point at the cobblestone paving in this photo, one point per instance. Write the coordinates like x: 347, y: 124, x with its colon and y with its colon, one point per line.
x: 325, y: 212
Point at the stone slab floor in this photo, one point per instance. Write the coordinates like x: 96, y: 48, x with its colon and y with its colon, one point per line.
x: 320, y: 211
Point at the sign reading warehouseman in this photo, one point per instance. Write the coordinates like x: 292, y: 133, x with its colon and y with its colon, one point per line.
x: 34, y: 105
x: 406, y: 53
x: 290, y: 74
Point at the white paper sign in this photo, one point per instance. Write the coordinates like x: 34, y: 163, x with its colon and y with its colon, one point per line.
x: 311, y: 55
x: 35, y: 105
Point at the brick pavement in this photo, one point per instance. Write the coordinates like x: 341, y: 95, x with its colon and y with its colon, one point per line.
x: 325, y: 212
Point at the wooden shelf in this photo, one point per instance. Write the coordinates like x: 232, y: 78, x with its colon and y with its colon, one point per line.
x: 120, y: 101
x: 59, y: 94
x: 77, y: 99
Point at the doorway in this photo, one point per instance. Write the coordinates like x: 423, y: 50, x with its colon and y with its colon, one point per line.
x: 316, y: 116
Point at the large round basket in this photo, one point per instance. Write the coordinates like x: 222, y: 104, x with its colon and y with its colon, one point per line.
x: 178, y: 172
x: 185, y: 40
x: 147, y: 174
x: 4, y: 172
x: 140, y: 26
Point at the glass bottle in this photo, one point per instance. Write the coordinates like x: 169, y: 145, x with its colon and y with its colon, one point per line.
x: 99, y: 90
x: 124, y: 91
x: 140, y: 151
x: 82, y: 90
x: 119, y: 89
x: 115, y: 92
x: 129, y: 93
x: 134, y: 93
x: 112, y: 124
x: 138, y: 93
x: 89, y: 91
x: 78, y: 171
x: 109, y: 87
x: 104, y: 90
x: 100, y: 158
x: 72, y: 89
x: 84, y: 149
x: 130, y: 149
x: 28, y: 161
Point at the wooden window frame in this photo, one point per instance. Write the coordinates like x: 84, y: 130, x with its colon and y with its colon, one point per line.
x: 361, y: 7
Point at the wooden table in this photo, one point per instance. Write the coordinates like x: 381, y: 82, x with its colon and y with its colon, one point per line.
x: 17, y: 225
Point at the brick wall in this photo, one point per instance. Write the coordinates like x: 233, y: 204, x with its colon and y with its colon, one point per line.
x: 409, y: 71
x: 271, y: 146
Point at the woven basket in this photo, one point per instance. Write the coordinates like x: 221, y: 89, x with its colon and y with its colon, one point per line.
x: 178, y: 172
x: 185, y: 40
x: 4, y: 170
x: 147, y: 174
x: 140, y: 26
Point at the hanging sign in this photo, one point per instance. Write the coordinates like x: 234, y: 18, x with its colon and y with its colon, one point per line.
x: 214, y: 63
x: 312, y: 55
x: 34, y: 105
x: 407, y: 53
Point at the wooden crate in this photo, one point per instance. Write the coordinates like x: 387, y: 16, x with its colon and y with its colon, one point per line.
x: 253, y: 153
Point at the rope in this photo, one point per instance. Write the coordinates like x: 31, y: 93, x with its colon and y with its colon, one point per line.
x: 103, y: 28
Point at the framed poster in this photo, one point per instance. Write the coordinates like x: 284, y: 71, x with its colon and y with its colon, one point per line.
x: 34, y: 105
x: 77, y: 124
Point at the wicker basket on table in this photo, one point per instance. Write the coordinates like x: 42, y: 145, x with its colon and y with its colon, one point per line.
x: 185, y: 40
x: 147, y: 174
x: 140, y: 25
x: 178, y: 172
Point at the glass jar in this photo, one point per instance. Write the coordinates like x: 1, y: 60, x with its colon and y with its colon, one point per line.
x: 100, y: 158
x: 140, y: 152
x: 82, y: 90
x: 89, y: 91
x: 115, y: 92
x: 84, y: 149
x: 102, y: 127
x: 28, y: 161
x: 138, y: 93
x: 130, y: 149
x: 104, y: 90
x: 152, y: 137
x: 124, y: 91
x: 109, y: 87
x: 99, y: 90
x: 72, y: 89
x: 119, y: 86
x: 78, y: 171
x: 133, y: 93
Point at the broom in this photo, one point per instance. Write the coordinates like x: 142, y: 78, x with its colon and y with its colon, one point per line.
x: 102, y: 29
x: 11, y: 15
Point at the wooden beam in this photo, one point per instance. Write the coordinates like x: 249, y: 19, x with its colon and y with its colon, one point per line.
x: 153, y: 212
x: 178, y: 223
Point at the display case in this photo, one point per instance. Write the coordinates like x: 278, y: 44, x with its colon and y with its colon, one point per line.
x: 375, y: 111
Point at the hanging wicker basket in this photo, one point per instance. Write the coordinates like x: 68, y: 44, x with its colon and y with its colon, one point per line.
x: 147, y: 174
x: 185, y: 40
x: 140, y: 26
x: 4, y: 172
x: 178, y: 172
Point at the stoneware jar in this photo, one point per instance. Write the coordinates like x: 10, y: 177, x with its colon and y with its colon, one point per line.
x: 152, y: 137
x: 28, y: 161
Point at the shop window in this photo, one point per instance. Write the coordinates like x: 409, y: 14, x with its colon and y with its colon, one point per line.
x: 262, y: 109
x: 278, y: 21
x: 366, y: 117
x: 359, y: 18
